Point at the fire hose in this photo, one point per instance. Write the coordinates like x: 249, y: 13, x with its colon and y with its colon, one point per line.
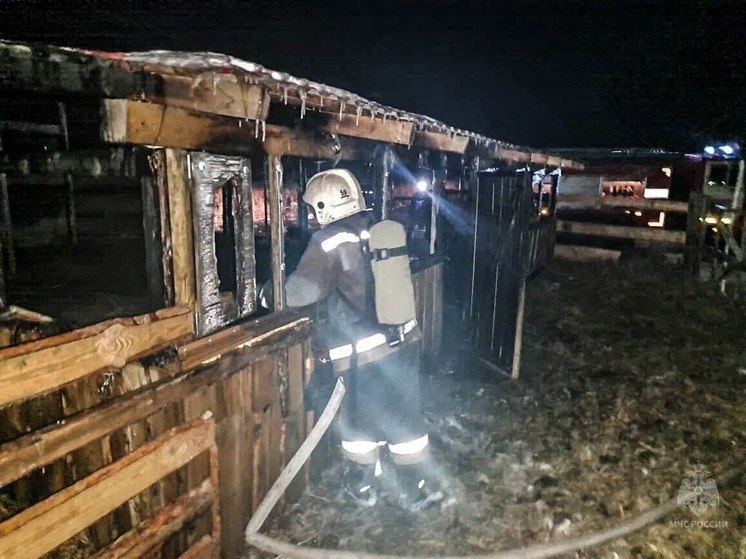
x: 540, y: 551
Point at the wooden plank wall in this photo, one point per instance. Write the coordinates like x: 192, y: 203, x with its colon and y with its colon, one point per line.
x: 428, y: 291
x: 250, y: 378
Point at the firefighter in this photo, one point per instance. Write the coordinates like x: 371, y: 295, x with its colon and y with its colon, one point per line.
x: 378, y: 356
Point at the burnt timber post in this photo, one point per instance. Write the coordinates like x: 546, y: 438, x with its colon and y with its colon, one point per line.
x: 72, y: 222
x: 383, y: 161
x: 695, y: 231
x: 277, y: 233
x: 302, y: 208
x: 6, y: 227
x: 473, y: 180
x: 151, y: 223
x: 179, y: 194
x: 439, y: 187
x: 3, y: 298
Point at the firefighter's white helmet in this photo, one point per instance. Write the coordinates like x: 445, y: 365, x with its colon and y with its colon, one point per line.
x: 334, y: 195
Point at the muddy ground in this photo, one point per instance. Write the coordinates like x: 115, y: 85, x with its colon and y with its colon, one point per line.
x: 632, y: 375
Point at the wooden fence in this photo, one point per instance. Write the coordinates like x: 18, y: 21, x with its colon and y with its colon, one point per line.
x: 541, y: 240
x: 576, y: 236
x: 92, y: 410
x: 46, y: 525
x: 428, y: 288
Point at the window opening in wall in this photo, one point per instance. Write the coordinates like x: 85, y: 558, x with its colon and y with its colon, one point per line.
x: 225, y: 237
x: 224, y: 245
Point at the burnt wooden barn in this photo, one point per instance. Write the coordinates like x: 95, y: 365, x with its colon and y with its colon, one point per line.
x: 146, y: 402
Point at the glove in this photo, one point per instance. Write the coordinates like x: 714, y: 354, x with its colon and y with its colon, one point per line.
x: 266, y: 296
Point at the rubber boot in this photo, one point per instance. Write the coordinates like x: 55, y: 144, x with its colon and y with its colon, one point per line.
x: 361, y: 484
x: 417, y: 489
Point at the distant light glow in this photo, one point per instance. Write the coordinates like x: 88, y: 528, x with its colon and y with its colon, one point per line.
x: 660, y: 222
x: 727, y: 150
x: 727, y: 221
x: 711, y: 219
x: 638, y: 213
x: 709, y: 150
x: 422, y: 185
x: 666, y: 171
x: 659, y: 193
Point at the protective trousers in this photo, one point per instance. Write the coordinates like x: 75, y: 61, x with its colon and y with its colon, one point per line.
x: 382, y: 406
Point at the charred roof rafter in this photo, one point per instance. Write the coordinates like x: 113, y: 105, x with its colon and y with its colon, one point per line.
x: 223, y: 87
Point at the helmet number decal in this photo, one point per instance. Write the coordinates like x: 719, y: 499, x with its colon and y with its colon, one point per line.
x: 343, y: 193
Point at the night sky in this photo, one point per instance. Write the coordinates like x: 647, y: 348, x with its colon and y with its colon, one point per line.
x: 625, y: 73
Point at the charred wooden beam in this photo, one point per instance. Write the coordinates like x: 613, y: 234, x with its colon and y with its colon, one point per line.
x: 437, y: 141
x: 389, y: 131
x: 132, y: 122
x: 212, y: 92
x: 511, y: 155
x: 25, y: 69
x: 537, y: 158
x: 570, y: 164
x: 484, y: 150
x: 315, y: 144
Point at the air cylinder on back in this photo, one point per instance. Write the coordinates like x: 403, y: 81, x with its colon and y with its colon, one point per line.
x: 394, y: 292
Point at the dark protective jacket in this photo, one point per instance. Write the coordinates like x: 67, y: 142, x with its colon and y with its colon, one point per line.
x: 334, y: 269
